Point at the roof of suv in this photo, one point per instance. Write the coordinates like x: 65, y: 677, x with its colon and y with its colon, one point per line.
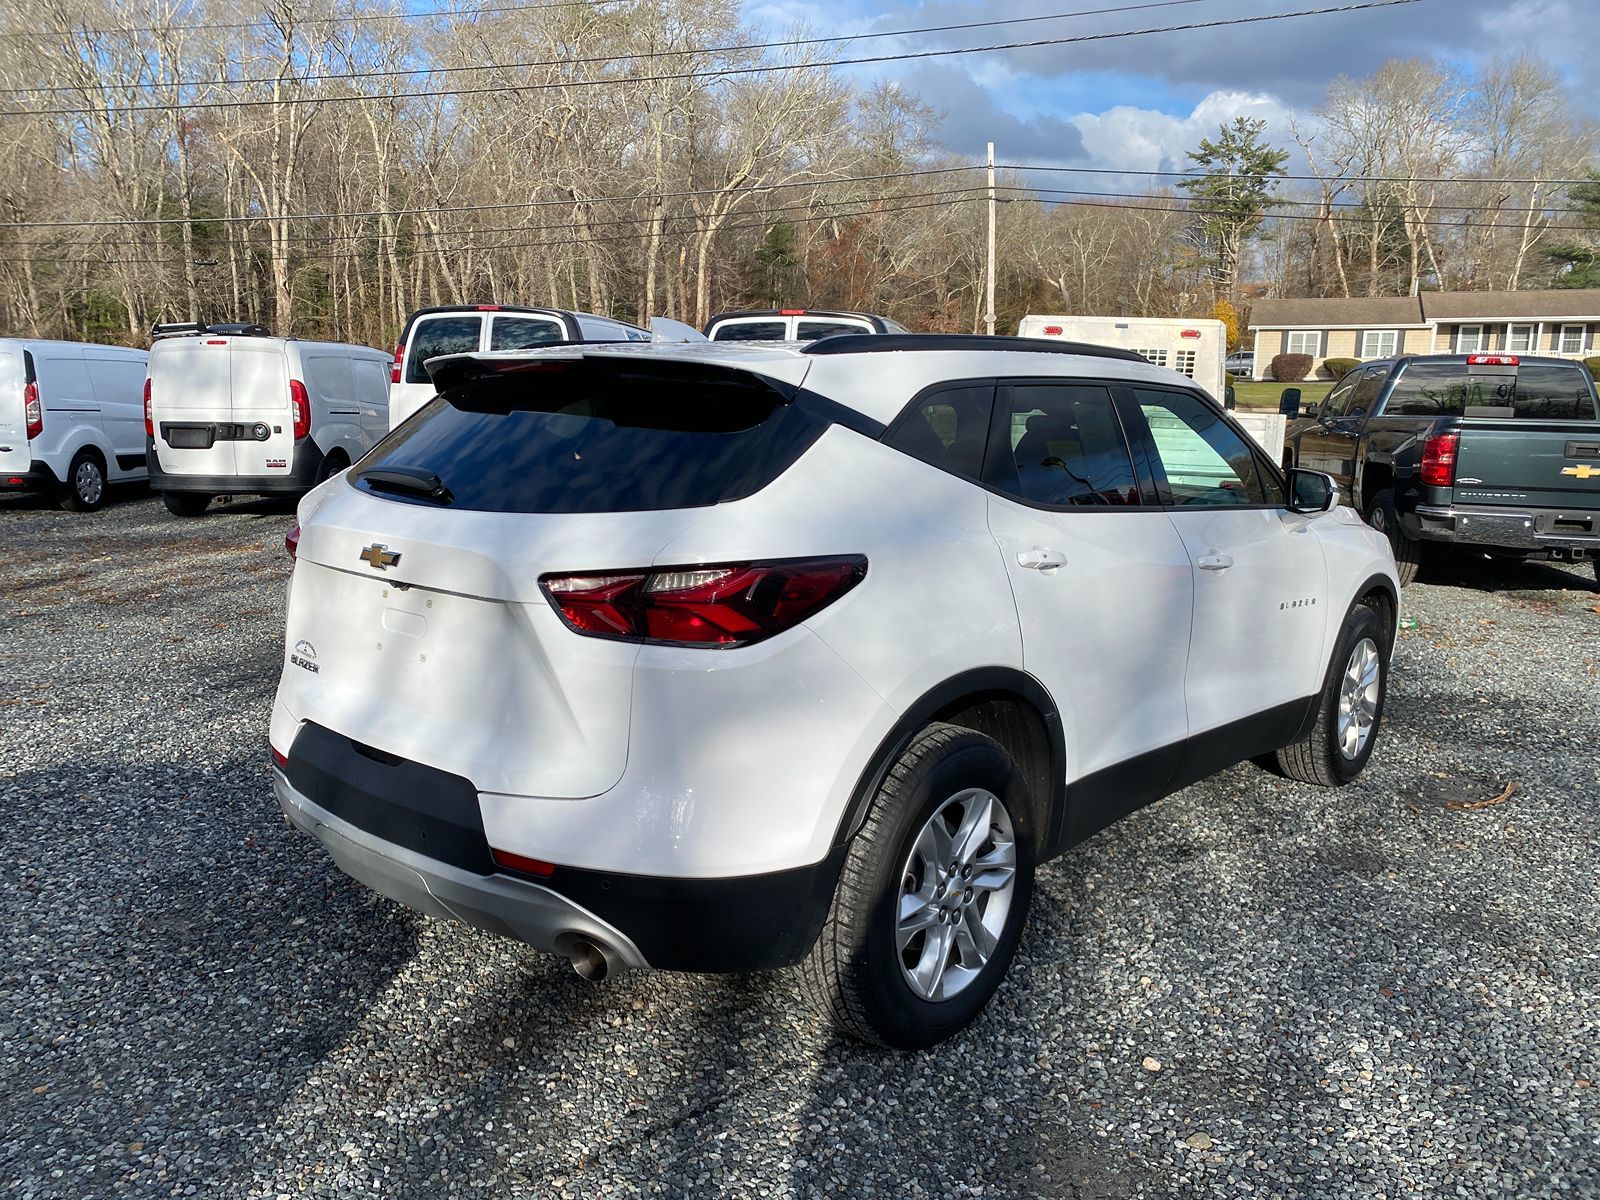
x: 874, y: 374
x: 558, y: 313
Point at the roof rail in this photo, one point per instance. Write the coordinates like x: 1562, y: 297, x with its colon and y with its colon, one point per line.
x: 883, y: 343
x: 196, y: 328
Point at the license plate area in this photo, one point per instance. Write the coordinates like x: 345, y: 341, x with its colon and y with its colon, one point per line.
x: 189, y: 437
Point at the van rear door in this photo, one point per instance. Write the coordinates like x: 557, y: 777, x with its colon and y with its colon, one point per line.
x: 191, y: 385
x: 15, y: 457
x: 260, y: 401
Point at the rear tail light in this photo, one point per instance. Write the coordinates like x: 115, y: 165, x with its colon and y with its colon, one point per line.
x: 791, y: 312
x: 149, y: 417
x: 714, y: 605
x: 301, y: 403
x: 1493, y: 360
x: 399, y: 361
x: 279, y: 758
x: 32, y: 410
x: 1052, y: 330
x: 1439, y: 459
x: 291, y: 540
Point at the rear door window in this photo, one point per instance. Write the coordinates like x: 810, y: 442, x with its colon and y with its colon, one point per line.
x: 435, y: 336
x: 522, y: 333
x: 751, y: 331
x: 1535, y: 392
x: 586, y: 436
x: 1064, y: 447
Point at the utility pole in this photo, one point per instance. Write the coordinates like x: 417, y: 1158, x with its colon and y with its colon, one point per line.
x: 988, y: 314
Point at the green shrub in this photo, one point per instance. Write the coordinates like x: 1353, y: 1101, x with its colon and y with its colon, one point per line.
x: 1338, y: 368
x: 1594, y: 366
x: 1289, y: 368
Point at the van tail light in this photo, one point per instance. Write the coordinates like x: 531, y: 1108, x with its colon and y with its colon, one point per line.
x: 291, y: 540
x: 32, y: 410
x: 149, y: 416
x: 1439, y: 459
x: 714, y: 605
x: 399, y: 361
x: 301, y: 403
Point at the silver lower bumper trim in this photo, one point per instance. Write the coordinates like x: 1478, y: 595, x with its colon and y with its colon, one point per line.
x: 512, y: 907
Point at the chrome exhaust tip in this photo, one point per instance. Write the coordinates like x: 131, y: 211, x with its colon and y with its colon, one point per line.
x: 591, y: 960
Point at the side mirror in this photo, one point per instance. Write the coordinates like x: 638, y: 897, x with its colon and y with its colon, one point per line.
x: 1289, y: 402
x: 1311, y: 492
x: 1310, y: 410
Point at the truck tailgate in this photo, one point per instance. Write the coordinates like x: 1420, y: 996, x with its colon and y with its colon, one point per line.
x: 1526, y: 464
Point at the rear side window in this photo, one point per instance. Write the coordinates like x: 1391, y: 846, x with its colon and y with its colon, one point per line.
x: 810, y: 331
x: 751, y: 331
x: 596, y: 437
x: 948, y: 430
x: 1066, y: 448
x: 1536, y: 392
x: 434, y: 336
x: 522, y: 333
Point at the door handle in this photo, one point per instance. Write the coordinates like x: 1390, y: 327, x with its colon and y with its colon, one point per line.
x: 1040, y: 559
x: 1214, y: 562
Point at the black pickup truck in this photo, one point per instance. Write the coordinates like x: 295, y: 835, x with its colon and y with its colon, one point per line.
x: 1497, y: 451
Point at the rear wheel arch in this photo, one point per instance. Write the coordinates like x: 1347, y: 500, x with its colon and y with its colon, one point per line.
x: 1375, y: 477
x: 1003, y: 703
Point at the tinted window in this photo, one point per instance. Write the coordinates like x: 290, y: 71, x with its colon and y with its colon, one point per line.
x: 1340, y: 396
x: 1065, y: 447
x: 809, y: 331
x: 519, y: 333
x: 597, y: 437
x: 1206, y: 463
x: 1536, y: 392
x: 751, y: 331
x: 440, y: 335
x: 948, y: 429
x: 1365, y: 394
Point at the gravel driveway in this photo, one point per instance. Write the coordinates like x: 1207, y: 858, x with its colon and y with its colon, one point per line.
x: 1252, y: 988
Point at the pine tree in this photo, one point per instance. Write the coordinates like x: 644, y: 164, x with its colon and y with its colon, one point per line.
x: 1578, y: 263
x: 1233, y: 196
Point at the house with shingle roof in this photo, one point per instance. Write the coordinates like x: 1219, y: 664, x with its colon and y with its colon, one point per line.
x: 1562, y: 322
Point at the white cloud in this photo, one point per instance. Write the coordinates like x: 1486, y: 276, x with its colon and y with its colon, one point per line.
x: 1143, y: 139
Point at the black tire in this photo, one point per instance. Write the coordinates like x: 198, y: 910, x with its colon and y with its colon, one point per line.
x: 853, y: 974
x: 185, y: 504
x: 331, y: 466
x: 1381, y: 516
x: 1318, y: 757
x: 85, y: 488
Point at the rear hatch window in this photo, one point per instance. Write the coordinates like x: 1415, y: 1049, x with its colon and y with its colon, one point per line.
x: 1531, y: 391
x: 751, y: 331
x: 437, y: 336
x: 591, y: 435
x: 810, y: 331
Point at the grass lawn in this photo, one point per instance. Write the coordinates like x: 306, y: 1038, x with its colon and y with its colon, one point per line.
x: 1265, y: 393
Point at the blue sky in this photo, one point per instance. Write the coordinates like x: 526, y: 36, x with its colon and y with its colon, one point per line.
x: 1139, y: 103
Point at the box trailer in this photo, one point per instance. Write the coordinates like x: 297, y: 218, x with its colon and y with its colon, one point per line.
x: 1196, y: 348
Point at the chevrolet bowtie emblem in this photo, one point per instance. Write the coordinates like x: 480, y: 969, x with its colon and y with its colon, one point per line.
x: 1583, y: 471
x: 379, y: 556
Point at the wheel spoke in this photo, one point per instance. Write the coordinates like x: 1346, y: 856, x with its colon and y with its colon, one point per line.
x: 976, y: 817
x: 996, y: 869
x: 918, y: 917
x: 930, y: 968
x: 974, y: 938
x: 933, y: 844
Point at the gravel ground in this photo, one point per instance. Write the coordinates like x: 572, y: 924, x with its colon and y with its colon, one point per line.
x: 1252, y: 988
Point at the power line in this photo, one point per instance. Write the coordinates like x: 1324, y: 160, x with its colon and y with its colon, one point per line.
x: 1269, y: 178
x: 718, y: 73
x: 820, y: 181
x: 352, y: 18
x: 398, y: 72
x: 567, y: 241
x: 1275, y: 202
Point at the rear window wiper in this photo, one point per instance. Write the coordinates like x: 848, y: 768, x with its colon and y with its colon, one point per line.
x: 412, y: 481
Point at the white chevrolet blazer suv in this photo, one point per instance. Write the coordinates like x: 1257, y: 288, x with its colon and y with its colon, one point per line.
x: 713, y: 658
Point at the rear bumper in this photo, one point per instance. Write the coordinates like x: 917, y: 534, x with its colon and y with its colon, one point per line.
x: 1527, y: 530
x: 415, y: 834
x: 304, y: 469
x: 37, y: 478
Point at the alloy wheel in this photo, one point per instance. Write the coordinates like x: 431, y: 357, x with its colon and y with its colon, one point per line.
x: 1359, y: 689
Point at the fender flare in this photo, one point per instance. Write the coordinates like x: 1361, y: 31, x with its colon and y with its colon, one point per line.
x: 969, y: 685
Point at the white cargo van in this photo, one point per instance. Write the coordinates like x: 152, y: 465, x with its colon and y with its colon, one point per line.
x: 69, y: 419
x: 237, y: 412
x: 464, y: 328
x: 1195, y: 348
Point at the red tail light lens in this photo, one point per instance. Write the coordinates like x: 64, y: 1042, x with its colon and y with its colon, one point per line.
x: 279, y: 758
x: 300, y: 401
x: 399, y: 361
x: 32, y: 410
x: 291, y: 540
x: 149, y: 417
x: 714, y: 605
x: 1439, y: 459
x: 1493, y: 360
x: 523, y: 864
